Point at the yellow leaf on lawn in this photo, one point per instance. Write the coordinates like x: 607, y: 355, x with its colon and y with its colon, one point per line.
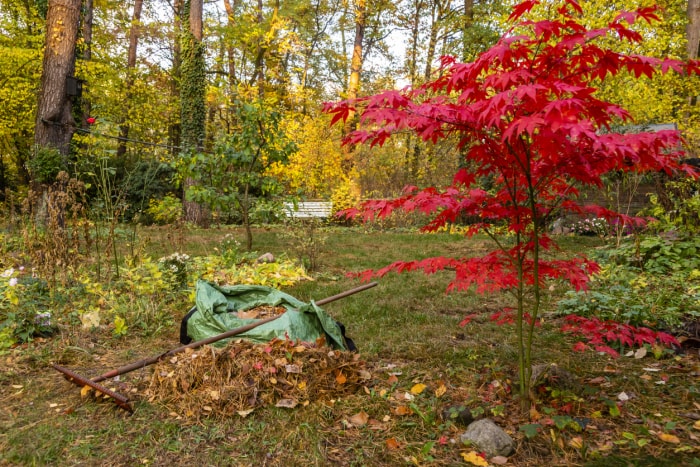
x: 85, y: 391
x: 696, y: 425
x: 669, y: 438
x: 440, y: 391
x: 417, y: 389
x: 474, y: 459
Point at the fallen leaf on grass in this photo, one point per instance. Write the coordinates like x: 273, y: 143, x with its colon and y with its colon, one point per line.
x: 359, y: 419
x: 340, y: 378
x: 85, y: 391
x: 403, y: 410
x: 417, y: 389
x: 669, y: 438
x: 392, y: 379
x: 286, y: 403
x: 696, y: 425
x: 245, y: 413
x: 499, y: 460
x: 640, y: 353
x: 598, y: 380
x: 474, y: 459
x: 440, y: 391
x: 392, y: 444
x: 576, y: 443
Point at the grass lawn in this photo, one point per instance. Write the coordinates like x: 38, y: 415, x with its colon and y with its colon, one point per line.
x: 625, y: 411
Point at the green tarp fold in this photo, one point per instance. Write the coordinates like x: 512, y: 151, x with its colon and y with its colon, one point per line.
x: 217, y: 307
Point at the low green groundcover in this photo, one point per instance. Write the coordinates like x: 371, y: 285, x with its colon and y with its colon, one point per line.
x: 217, y: 306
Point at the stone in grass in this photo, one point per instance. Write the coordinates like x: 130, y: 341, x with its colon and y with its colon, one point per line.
x: 489, y: 438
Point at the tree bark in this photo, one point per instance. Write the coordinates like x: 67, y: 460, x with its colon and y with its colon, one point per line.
x: 87, y: 55
x: 354, y: 80
x: 134, y: 33
x: 54, y: 122
x: 175, y: 127
x: 692, y: 30
x: 192, y: 101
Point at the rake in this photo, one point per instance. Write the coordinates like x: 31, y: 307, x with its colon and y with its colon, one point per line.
x: 123, y: 401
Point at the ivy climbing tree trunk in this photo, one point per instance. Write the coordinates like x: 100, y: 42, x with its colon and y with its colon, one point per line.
x: 54, y: 122
x: 134, y: 33
x: 192, y: 105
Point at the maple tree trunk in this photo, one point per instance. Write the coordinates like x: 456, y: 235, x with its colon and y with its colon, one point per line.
x: 432, y: 42
x: 134, y: 33
x: 175, y: 128
x: 54, y: 122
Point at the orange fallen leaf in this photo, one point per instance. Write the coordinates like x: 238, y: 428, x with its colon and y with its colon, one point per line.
x: 392, y: 444
x: 340, y: 378
x: 669, y: 438
x: 418, y: 388
x: 392, y: 379
x: 403, y: 410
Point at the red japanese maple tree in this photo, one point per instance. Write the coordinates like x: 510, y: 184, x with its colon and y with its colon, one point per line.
x: 526, y: 114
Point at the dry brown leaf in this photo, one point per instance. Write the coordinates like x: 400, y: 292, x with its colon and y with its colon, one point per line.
x: 403, y: 410
x: 576, y: 442
x: 392, y: 379
x: 286, y: 403
x: 248, y: 314
x: 392, y: 444
x: 669, y: 438
x: 359, y: 419
x: 245, y: 413
x: 499, y: 460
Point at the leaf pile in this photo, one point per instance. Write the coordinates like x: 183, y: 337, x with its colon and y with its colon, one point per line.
x: 243, y: 376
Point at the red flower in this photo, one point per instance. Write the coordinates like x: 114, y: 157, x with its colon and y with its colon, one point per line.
x: 91, y: 120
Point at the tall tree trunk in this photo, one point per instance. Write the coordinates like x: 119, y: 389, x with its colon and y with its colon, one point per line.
x: 354, y: 80
x: 432, y: 40
x: 175, y: 127
x: 54, y: 122
x: 134, y: 33
x: 693, y: 35
x: 88, y: 16
x: 192, y: 96
x: 231, y: 9
x: 467, y: 23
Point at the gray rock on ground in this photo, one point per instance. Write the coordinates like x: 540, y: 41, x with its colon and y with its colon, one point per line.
x: 489, y: 438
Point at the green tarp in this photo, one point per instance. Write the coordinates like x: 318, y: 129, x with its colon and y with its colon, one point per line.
x: 216, y: 308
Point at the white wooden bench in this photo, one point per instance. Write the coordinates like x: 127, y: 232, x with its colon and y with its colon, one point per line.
x: 309, y: 210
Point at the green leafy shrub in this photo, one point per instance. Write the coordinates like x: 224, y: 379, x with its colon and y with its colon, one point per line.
x: 46, y: 164
x: 650, y: 281
x: 25, y: 308
x: 166, y: 210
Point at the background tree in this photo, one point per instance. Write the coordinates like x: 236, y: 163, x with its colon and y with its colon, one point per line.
x: 192, y: 94
x: 54, y: 122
